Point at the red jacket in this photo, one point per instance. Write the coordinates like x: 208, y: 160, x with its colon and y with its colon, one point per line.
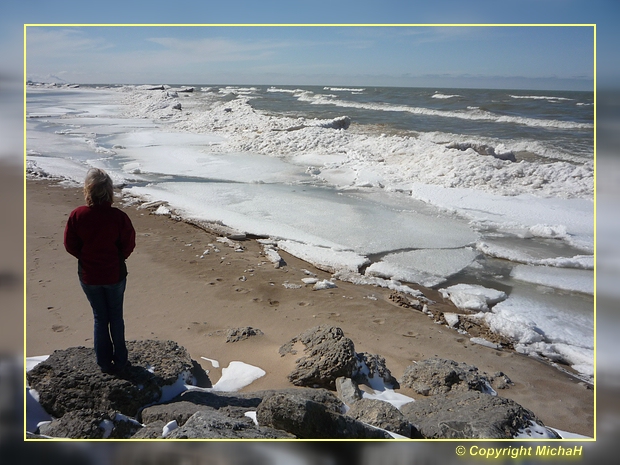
x: 101, y: 237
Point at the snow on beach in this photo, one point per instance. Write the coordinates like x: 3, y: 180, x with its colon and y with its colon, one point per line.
x: 423, y: 207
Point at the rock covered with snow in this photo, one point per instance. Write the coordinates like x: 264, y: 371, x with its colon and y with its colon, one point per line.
x: 372, y: 368
x: 327, y: 355
x: 469, y: 415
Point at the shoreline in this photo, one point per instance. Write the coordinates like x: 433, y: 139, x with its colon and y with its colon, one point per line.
x: 176, y: 291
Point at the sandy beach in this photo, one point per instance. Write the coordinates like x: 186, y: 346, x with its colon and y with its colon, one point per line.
x: 177, y: 292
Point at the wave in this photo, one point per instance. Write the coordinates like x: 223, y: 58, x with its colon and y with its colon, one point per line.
x: 343, y: 89
x: 443, y: 96
x: 348, y: 157
x: 286, y: 91
x: 517, y: 146
x: 472, y: 113
x: 539, y: 97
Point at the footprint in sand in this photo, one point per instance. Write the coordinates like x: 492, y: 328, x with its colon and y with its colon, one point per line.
x: 304, y: 304
x: 379, y: 321
x: 326, y: 315
x: 59, y: 328
x: 273, y: 303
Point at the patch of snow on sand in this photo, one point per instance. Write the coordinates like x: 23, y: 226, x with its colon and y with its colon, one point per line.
x: 237, y: 376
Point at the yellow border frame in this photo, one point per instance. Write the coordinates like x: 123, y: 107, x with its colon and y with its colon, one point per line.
x: 514, y: 441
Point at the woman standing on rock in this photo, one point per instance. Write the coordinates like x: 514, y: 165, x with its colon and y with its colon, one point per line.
x: 101, y: 237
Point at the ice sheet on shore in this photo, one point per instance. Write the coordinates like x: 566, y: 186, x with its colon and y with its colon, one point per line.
x: 327, y: 259
x: 521, y: 255
x: 537, y: 328
x: 569, y: 220
x: 557, y: 278
x: 316, y: 216
x: 425, y: 267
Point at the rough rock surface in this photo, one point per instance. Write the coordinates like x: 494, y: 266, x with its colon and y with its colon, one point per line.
x: 327, y: 354
x: 213, y: 424
x: 373, y: 366
x: 182, y: 407
x: 439, y: 376
x: 178, y: 411
x: 239, y: 334
x: 467, y: 415
x: 89, y: 424
x: 70, y: 379
x: 297, y: 413
x: 382, y: 415
x: 150, y: 431
x: 348, y: 391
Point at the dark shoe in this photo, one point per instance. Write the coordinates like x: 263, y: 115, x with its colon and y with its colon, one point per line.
x: 123, y: 370
x: 109, y: 370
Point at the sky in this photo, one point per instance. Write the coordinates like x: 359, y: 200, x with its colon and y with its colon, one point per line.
x: 498, y: 57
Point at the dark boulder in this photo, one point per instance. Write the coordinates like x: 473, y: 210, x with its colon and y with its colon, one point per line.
x: 213, y: 424
x: 439, y: 376
x: 327, y: 354
x: 240, y: 334
x: 348, y: 390
x: 468, y: 415
x: 89, y: 424
x: 372, y: 369
x: 70, y: 379
x: 382, y: 415
x: 298, y: 413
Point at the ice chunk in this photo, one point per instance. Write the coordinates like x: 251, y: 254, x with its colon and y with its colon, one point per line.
x: 473, y: 297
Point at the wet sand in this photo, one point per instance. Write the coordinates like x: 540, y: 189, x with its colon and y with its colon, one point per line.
x: 173, y: 293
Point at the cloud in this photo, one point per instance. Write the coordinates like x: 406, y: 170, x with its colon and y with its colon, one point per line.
x: 52, y: 41
x: 217, y: 49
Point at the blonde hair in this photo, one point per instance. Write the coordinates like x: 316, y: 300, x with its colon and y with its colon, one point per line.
x: 98, y: 187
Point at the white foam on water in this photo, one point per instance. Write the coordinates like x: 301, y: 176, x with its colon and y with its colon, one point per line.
x: 474, y: 114
x: 539, y: 97
x: 439, y: 95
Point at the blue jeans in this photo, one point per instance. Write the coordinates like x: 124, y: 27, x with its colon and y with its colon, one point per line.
x: 107, y: 303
